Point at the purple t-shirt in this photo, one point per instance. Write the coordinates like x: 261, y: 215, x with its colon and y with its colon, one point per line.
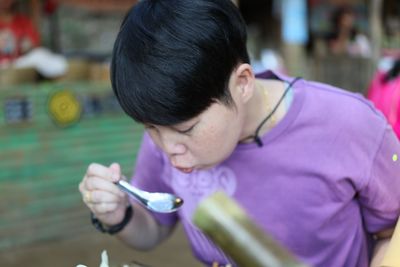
x: 325, y: 179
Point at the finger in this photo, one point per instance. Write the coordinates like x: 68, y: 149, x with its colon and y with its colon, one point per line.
x: 83, y: 190
x: 88, y: 204
x: 87, y: 197
x: 116, y: 169
x: 96, y: 183
x: 103, y: 208
x: 99, y: 170
x: 81, y: 186
x: 97, y: 197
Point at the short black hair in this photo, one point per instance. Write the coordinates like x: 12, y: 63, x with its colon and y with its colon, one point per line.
x: 173, y: 58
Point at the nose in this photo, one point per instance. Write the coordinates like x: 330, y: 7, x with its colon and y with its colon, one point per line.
x: 172, y: 144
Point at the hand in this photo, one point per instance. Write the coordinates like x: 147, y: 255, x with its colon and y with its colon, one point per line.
x: 101, y: 195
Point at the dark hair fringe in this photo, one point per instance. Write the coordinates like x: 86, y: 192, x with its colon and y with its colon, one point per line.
x: 173, y: 58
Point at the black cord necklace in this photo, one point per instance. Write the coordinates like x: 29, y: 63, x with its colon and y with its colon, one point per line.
x: 256, y: 136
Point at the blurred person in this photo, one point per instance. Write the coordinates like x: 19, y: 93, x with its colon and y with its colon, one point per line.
x: 20, y: 43
x: 18, y: 34
x: 311, y: 164
x: 345, y: 38
x: 384, y: 92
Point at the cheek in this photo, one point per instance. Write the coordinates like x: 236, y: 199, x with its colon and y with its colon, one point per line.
x: 217, y: 138
x: 205, y: 140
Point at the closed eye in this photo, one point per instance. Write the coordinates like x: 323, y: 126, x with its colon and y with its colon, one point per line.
x: 186, y: 131
x: 149, y: 127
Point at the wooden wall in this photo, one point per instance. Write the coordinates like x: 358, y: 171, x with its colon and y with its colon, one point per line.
x: 42, y: 163
x: 352, y: 74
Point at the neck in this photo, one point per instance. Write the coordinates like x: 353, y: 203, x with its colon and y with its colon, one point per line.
x: 266, y: 95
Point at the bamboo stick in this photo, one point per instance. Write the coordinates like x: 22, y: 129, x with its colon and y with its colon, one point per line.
x: 392, y: 255
x: 228, y: 226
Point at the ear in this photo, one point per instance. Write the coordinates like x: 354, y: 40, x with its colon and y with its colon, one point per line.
x: 244, y: 81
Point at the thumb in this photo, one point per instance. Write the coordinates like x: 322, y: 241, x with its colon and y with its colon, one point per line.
x: 116, y: 171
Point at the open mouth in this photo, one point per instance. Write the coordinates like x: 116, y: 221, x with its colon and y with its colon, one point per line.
x: 185, y: 170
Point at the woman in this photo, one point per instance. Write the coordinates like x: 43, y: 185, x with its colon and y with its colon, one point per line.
x: 308, y: 162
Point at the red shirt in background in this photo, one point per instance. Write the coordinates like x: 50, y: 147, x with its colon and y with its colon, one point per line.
x: 17, y: 37
x: 385, y: 94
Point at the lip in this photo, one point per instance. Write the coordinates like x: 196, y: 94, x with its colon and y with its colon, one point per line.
x: 185, y: 170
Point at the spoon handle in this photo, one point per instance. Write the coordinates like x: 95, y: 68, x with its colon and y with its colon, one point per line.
x: 132, y: 191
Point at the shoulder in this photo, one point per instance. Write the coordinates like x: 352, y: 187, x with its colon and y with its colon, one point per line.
x: 21, y: 19
x: 332, y: 105
x: 343, y: 110
x: 340, y: 99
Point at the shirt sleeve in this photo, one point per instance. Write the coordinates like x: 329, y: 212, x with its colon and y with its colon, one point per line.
x: 26, y: 32
x: 33, y: 33
x: 147, y: 175
x: 380, y: 197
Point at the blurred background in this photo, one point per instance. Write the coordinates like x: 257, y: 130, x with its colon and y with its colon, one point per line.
x: 58, y: 113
